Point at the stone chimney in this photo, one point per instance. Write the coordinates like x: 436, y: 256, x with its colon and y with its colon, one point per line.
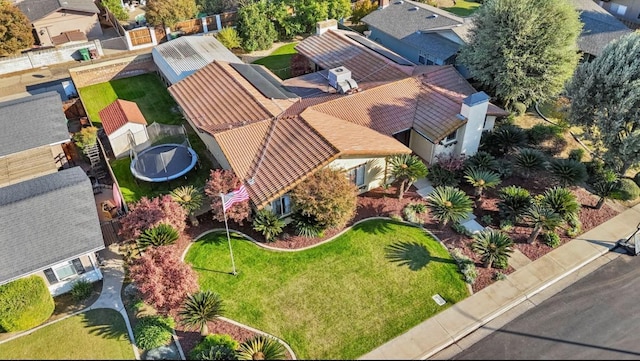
x: 323, y: 26
x: 474, y: 108
x: 383, y: 4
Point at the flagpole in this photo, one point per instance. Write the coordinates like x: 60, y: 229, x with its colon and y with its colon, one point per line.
x: 226, y: 226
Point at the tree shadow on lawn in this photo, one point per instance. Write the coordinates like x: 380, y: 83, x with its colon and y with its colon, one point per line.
x: 106, y: 323
x: 412, y: 254
x: 375, y: 226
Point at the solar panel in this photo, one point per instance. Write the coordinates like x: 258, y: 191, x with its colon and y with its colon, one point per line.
x: 380, y: 50
x: 268, y: 86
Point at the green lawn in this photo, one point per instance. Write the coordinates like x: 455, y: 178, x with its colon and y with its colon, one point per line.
x: 146, y: 90
x: 463, y: 7
x: 338, y: 300
x: 279, y: 62
x: 98, y: 334
x: 157, y: 105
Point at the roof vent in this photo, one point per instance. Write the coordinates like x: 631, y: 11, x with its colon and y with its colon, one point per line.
x: 415, y: 8
x: 432, y: 16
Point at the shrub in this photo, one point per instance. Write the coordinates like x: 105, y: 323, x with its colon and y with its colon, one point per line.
x: 551, y: 239
x: 261, y: 348
x: 577, y: 154
x: 229, y: 38
x: 573, y: 231
x: 86, y: 137
x: 598, y: 172
x: 542, y: 132
x: 222, y: 343
x: 225, y: 181
x: 466, y: 266
x: 568, y: 172
x: 307, y: 226
x: 494, y: 247
x: 627, y: 190
x: 24, y: 303
x: 439, y: 176
x: 519, y: 108
x: 160, y: 235
x: 482, y: 160
x: 412, y: 212
x: 268, y: 223
x: 199, y: 309
x: 561, y: 201
x: 504, y: 139
x: 499, y: 276
x: 460, y: 229
x: 481, y: 179
x: 448, y: 204
x: 505, y: 168
x: 487, y: 219
x: 529, y: 160
x: 506, y: 225
x: 153, y: 331
x: 636, y: 178
x: 514, y: 201
x: 396, y: 218
x: 81, y: 289
x: 406, y: 169
x: 148, y: 213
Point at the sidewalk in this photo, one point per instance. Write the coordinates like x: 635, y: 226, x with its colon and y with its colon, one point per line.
x: 453, y: 324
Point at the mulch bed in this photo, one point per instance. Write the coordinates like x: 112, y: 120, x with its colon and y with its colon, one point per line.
x: 384, y: 202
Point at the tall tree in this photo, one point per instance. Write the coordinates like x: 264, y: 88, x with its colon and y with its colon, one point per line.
x: 190, y: 198
x: 255, y: 26
x: 115, y: 7
x: 605, y: 99
x: 169, y: 12
x: 15, y: 29
x: 523, y: 50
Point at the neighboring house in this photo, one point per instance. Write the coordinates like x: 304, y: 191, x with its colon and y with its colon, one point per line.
x: 51, y: 18
x: 179, y: 58
x: 123, y: 121
x: 50, y: 228
x: 424, y: 34
x: 274, y: 134
x: 628, y: 10
x: 34, y: 128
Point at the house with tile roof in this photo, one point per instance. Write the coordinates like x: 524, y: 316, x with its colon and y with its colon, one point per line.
x: 273, y: 134
x: 34, y: 131
x: 50, y: 228
x: 123, y: 123
x: 51, y: 18
x: 424, y: 34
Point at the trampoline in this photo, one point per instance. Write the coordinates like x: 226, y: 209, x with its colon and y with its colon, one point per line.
x: 163, y: 163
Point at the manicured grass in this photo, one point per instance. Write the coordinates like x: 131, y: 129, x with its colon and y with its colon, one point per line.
x: 146, y: 90
x: 338, y: 300
x: 279, y: 62
x: 98, y: 334
x: 464, y: 7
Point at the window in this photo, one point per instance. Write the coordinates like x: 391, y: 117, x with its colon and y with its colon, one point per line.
x: 421, y: 59
x: 281, y: 206
x: 451, y: 138
x: 618, y: 9
x: 65, y: 270
x: 356, y: 175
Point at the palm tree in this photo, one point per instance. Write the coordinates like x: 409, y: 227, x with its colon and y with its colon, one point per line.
x: 562, y: 201
x: 449, y: 204
x: 493, y: 246
x: 200, y: 308
x: 261, y: 348
x: 568, y: 172
x: 160, y: 235
x: 406, y: 168
x: 190, y: 198
x: 481, y: 179
x: 604, y: 190
x: 528, y: 160
x: 267, y: 223
x: 541, y: 217
x: 514, y: 201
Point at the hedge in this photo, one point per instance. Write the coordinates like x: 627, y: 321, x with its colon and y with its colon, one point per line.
x: 24, y: 303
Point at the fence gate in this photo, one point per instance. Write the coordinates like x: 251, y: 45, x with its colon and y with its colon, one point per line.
x: 140, y: 36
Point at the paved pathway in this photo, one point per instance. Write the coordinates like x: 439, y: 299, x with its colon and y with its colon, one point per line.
x: 451, y: 326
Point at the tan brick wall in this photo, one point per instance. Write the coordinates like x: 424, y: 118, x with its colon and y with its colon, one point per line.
x: 113, y: 69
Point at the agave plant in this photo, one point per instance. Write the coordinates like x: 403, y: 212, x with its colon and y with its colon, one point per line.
x: 160, y: 235
x: 563, y: 202
x: 481, y: 179
x: 541, y: 218
x: 493, y: 246
x: 568, y: 172
x: 190, y: 198
x: 529, y: 160
x: 268, y: 223
x: 406, y: 168
x: 449, y: 204
x: 604, y: 190
x: 200, y: 308
x: 261, y: 348
x: 514, y: 201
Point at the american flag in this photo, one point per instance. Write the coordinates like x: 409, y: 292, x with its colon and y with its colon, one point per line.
x: 236, y: 196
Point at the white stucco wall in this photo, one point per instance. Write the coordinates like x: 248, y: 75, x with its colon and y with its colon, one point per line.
x: 374, y: 169
x: 421, y: 146
x: 469, y: 135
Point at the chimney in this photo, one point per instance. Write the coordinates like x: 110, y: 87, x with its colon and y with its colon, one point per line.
x: 323, y: 26
x: 383, y: 4
x: 474, y: 108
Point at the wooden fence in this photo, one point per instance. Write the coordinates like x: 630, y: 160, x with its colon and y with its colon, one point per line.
x: 189, y: 27
x: 140, y: 36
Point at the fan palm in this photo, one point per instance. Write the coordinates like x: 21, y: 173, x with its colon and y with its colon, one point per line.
x: 514, y: 201
x: 190, y: 198
x: 528, y: 160
x: 481, y: 179
x: 406, y: 169
x: 568, y: 172
x: 493, y: 246
x: 449, y: 204
x: 541, y: 217
x: 200, y: 308
x: 563, y: 202
x: 261, y: 348
x: 160, y: 235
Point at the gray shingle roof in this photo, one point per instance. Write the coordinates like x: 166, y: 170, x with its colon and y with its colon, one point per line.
x: 37, y: 9
x: 31, y: 122
x: 436, y: 45
x: 600, y: 27
x: 45, y: 221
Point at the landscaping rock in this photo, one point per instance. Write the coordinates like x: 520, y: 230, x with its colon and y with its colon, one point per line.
x: 162, y: 353
x: 130, y: 290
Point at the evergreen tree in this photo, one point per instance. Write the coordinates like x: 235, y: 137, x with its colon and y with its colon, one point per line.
x: 169, y: 12
x: 255, y: 27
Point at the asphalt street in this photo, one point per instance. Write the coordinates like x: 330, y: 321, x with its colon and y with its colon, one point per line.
x: 596, y: 318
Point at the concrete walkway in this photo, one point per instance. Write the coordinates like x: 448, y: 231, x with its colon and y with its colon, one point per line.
x: 447, y: 330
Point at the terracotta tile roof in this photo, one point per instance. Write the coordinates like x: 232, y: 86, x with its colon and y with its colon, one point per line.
x: 334, y: 48
x: 217, y: 98
x: 436, y: 115
x: 353, y: 139
x: 119, y: 113
x: 277, y: 158
x: 68, y: 36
